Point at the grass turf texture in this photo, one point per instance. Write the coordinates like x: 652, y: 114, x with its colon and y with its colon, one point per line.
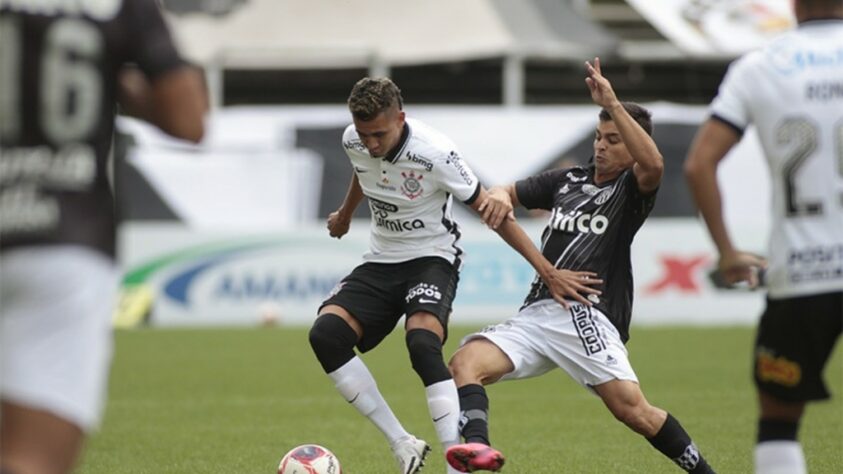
x: 235, y: 400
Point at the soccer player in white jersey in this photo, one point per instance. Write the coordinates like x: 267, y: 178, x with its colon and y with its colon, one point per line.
x: 61, y: 72
x: 596, y: 212
x: 410, y: 173
x: 792, y: 91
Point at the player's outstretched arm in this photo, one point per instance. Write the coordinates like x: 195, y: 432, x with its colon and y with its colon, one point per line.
x: 649, y: 164
x: 339, y: 221
x: 562, y: 283
x: 175, y: 102
x: 711, y: 144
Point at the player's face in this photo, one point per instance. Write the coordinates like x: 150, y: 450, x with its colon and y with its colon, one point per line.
x: 381, y: 134
x: 610, y: 152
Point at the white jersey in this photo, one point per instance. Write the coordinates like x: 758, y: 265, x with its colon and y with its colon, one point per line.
x: 410, y: 192
x: 792, y: 90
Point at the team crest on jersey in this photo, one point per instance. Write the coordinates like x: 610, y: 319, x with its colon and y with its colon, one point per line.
x: 604, y: 196
x: 412, y: 187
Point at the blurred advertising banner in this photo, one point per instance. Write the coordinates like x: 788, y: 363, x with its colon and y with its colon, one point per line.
x: 233, y: 231
x: 717, y: 28
x: 177, y: 276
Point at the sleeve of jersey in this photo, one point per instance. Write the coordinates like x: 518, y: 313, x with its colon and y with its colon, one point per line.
x: 638, y: 203
x: 152, y: 46
x: 731, y: 104
x: 457, y: 178
x: 536, y: 192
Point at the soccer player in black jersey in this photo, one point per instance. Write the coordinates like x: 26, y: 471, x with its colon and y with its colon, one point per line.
x: 596, y: 211
x: 62, y: 65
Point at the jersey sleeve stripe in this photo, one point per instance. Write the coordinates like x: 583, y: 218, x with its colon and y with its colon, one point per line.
x: 728, y: 123
x: 474, y: 195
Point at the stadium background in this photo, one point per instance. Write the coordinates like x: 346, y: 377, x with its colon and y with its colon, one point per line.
x: 230, y: 234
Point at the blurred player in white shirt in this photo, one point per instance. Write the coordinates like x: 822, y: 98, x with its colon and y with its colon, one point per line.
x: 792, y: 91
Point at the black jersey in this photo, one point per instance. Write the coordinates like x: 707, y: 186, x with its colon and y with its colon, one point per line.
x: 590, y: 228
x: 58, y: 66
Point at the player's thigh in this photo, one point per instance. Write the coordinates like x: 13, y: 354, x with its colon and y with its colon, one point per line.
x: 430, y: 289
x: 56, y: 305
x: 36, y: 440
x: 369, y: 294
x: 519, y: 339
x: 794, y: 342
x: 479, y: 361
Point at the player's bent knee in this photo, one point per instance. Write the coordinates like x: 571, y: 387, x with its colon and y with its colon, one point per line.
x: 425, y: 350
x: 332, y: 340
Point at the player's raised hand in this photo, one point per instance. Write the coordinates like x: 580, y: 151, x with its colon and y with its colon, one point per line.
x: 338, y: 224
x: 601, y: 89
x: 496, y: 207
x: 566, y: 284
x: 739, y: 267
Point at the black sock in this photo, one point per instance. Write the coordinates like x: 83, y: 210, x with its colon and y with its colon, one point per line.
x: 777, y: 430
x: 474, y: 414
x: 674, y: 442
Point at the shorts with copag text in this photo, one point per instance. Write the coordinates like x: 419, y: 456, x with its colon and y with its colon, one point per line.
x: 544, y: 335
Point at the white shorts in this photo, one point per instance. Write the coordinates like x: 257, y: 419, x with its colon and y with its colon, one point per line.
x: 543, y: 336
x: 56, y: 304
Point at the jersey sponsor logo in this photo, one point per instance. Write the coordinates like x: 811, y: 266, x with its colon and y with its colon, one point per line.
x: 418, y: 159
x: 587, y: 330
x: 355, y: 145
x: 455, y: 160
x: 28, y: 174
x: 578, y: 222
x: 382, y: 206
x: 425, y: 292
x: 100, y: 10
x: 778, y: 370
x: 788, y: 59
x: 815, y: 263
x: 412, y: 187
x: 380, y: 215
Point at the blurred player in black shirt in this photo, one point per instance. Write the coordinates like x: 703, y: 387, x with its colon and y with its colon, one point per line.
x: 63, y: 65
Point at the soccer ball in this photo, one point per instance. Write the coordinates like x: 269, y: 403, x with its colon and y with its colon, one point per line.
x: 309, y: 459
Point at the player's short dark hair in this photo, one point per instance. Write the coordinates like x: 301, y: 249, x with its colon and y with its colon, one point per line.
x: 637, y: 112
x: 369, y: 97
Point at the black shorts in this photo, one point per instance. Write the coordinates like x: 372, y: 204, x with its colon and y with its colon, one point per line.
x: 378, y: 294
x: 795, y: 339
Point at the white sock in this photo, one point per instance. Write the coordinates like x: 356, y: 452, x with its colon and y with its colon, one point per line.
x: 443, y: 402
x: 779, y: 457
x: 356, y: 384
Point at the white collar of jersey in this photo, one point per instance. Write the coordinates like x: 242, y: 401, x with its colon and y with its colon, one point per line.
x: 393, y: 155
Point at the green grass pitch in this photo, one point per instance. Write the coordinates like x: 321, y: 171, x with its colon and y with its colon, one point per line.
x: 235, y: 400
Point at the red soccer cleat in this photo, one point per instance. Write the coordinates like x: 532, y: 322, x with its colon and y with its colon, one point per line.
x: 470, y: 457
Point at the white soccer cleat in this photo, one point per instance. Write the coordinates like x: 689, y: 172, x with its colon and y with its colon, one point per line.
x: 410, y: 454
